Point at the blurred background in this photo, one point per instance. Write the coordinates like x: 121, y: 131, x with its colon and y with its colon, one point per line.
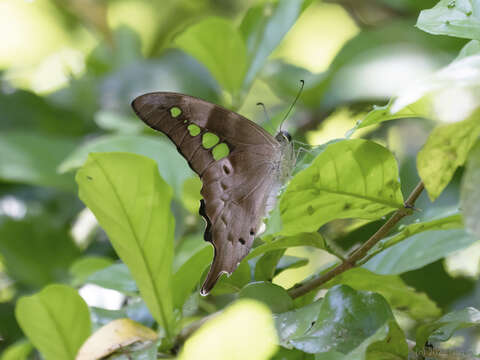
x: 69, y: 70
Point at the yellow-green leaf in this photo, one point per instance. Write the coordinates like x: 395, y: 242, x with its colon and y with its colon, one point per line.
x: 350, y: 179
x: 446, y: 149
x: 132, y: 204
x: 114, y: 336
x: 55, y: 320
x: 245, y: 330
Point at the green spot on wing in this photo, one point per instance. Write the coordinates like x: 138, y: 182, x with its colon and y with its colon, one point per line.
x: 209, y: 140
x: 220, y: 151
x: 175, y: 111
x: 193, y: 129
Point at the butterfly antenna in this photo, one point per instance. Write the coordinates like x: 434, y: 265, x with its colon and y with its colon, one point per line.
x: 293, y: 103
x: 266, y: 113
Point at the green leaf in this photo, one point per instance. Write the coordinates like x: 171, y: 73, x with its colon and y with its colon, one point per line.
x: 293, y: 324
x: 245, y: 330
x: 27, y: 245
x: 384, y: 113
x: 171, y: 164
x: 290, y: 262
x: 291, y: 354
x: 186, y: 248
x: 266, y: 264
x: 274, y: 296
x: 443, y: 223
x: 392, y: 288
x: 135, y: 310
x: 86, y: 266
x: 132, y: 204
x: 459, y: 18
x: 264, y: 26
x: 25, y: 110
x: 470, y: 192
x: 56, y: 321
x: 189, y: 274
x: 446, y: 95
x: 115, y: 277
x: 419, y: 250
x: 352, y: 323
x: 443, y: 328
x: 17, y: 351
x: 218, y: 45
x: 470, y: 48
x: 394, y: 44
x: 118, y: 334
x: 313, y: 239
x: 235, y: 282
x: 350, y: 179
x: 446, y: 149
x: 33, y: 159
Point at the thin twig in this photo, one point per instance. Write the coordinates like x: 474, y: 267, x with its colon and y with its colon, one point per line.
x: 362, y: 251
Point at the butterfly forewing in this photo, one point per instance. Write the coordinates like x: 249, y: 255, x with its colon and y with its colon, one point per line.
x: 236, y: 187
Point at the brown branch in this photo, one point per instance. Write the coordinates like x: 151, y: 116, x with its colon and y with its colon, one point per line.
x: 362, y: 251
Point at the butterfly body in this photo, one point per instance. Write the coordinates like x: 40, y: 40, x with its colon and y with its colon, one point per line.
x: 238, y: 188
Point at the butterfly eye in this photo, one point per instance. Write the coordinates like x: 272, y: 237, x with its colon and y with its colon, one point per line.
x: 242, y: 241
x: 175, y: 111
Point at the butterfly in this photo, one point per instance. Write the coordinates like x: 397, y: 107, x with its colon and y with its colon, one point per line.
x: 242, y: 168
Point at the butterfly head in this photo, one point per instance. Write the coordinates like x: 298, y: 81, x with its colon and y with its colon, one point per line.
x: 283, y: 137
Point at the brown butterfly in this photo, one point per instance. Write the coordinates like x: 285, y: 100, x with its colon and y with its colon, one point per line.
x: 239, y: 187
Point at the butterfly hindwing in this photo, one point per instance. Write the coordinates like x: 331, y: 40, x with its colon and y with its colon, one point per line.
x: 234, y: 188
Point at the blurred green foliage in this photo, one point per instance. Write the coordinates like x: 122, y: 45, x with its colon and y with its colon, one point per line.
x: 68, y: 73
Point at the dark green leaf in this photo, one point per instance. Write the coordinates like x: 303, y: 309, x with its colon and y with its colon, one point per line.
x: 392, y: 288
x: 313, y: 239
x: 274, y: 296
x: 17, y: 351
x: 24, y: 110
x: 443, y: 223
x: 120, y: 188
x: 350, y: 179
x: 290, y: 262
x: 173, y: 71
x: 353, y: 323
x: 293, y: 324
x: 56, y: 321
x: 419, y: 250
x: 33, y: 159
x: 218, y: 45
x: 266, y: 264
x: 443, y: 328
x: 135, y: 310
x: 235, y: 282
x: 189, y: 274
x: 27, y: 247
x: 470, y: 192
x: 291, y: 354
x: 86, y: 266
x: 264, y: 26
x: 9, y: 329
x: 172, y: 166
x: 115, y: 277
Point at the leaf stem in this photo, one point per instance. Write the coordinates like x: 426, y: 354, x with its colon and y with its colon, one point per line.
x: 361, y: 252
